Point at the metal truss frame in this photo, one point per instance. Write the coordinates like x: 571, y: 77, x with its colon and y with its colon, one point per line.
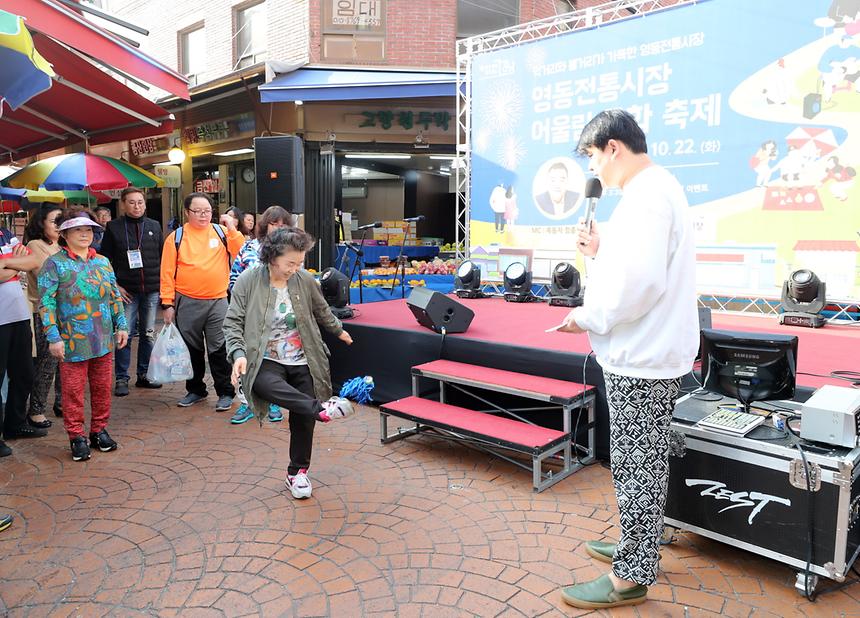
x: 843, y: 311
x: 467, y: 49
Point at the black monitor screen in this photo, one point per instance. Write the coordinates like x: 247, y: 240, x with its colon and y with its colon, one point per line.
x: 749, y: 366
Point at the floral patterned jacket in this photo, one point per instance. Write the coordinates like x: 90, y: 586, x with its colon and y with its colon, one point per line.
x: 80, y: 304
x: 249, y: 255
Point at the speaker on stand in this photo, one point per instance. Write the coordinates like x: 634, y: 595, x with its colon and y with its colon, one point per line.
x: 280, y: 168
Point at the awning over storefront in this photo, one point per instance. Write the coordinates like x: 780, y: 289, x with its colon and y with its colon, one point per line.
x: 67, y: 26
x: 84, y: 103
x: 325, y: 84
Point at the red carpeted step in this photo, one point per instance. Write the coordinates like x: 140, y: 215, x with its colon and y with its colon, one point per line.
x: 442, y: 414
x: 557, y: 389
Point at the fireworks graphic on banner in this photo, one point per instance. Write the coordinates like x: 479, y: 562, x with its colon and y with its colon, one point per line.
x: 482, y: 140
x: 511, y: 152
x: 502, y: 108
x: 535, y: 59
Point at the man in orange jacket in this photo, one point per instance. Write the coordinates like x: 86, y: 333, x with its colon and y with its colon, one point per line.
x: 195, y: 271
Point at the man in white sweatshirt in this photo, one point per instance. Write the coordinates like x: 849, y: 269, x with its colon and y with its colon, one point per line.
x: 641, y: 318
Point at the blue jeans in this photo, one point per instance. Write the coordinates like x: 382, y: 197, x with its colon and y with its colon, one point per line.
x: 140, y: 316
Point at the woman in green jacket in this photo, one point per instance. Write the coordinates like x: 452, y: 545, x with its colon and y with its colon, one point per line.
x: 274, y: 343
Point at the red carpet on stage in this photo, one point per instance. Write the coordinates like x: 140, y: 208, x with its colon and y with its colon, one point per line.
x: 820, y: 351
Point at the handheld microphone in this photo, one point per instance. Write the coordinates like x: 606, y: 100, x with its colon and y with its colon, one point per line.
x: 418, y: 218
x: 593, y: 191
x: 367, y: 226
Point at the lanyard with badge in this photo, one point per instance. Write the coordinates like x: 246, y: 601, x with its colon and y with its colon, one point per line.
x: 135, y: 259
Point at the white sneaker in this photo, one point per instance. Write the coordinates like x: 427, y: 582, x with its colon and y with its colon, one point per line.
x: 336, y: 408
x: 299, y: 484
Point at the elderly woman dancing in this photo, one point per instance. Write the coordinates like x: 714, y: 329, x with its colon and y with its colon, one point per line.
x: 276, y: 348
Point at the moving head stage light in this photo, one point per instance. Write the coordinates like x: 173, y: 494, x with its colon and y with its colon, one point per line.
x: 467, y: 283
x: 518, y: 284
x: 335, y: 289
x: 803, y: 299
x: 564, y: 291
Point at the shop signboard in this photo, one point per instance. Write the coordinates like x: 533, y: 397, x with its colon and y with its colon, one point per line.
x: 170, y: 174
x: 219, y: 130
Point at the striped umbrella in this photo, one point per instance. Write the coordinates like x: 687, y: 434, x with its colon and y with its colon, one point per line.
x: 23, y: 196
x: 81, y: 171
x: 25, y: 72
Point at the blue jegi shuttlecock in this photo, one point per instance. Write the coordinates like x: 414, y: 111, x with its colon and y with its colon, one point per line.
x: 358, y: 389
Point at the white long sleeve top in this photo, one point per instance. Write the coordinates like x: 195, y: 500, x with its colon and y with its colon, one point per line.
x: 640, y: 298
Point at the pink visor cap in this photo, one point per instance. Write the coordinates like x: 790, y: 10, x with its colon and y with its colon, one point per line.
x: 79, y: 222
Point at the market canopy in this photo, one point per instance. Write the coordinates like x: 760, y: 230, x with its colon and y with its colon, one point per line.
x: 85, y: 102
x: 64, y: 24
x: 325, y: 84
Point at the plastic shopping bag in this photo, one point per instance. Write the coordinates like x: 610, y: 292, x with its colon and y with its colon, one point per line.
x: 170, y: 360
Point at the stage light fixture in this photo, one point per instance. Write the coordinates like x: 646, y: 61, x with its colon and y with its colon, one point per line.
x: 467, y: 283
x: 518, y: 284
x: 335, y: 289
x: 564, y: 291
x: 803, y: 299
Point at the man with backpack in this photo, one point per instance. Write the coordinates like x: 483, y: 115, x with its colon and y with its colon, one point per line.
x: 195, y: 271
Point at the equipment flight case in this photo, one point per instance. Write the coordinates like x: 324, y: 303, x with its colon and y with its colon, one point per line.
x: 751, y: 492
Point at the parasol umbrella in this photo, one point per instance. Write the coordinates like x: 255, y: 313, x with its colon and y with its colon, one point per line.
x: 81, y: 171
x: 25, y: 72
x: 29, y: 198
x: 822, y: 139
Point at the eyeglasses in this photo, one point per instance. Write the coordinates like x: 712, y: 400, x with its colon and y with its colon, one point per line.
x: 208, y: 212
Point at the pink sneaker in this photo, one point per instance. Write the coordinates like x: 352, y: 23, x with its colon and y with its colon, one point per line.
x: 336, y: 408
x: 299, y: 484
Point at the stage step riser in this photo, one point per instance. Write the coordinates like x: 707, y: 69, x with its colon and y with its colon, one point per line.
x: 560, y: 392
x: 491, y: 433
x: 515, y: 435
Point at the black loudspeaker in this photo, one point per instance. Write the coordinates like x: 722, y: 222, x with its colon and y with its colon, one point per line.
x: 437, y: 311
x: 280, y: 165
x: 811, y: 105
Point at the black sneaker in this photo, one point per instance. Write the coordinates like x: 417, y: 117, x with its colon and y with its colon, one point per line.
x: 25, y: 431
x: 102, y: 441
x: 142, y: 382
x: 121, y: 388
x: 80, y: 449
x: 5, y: 451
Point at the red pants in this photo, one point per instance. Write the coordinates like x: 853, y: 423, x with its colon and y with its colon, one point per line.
x: 99, y: 372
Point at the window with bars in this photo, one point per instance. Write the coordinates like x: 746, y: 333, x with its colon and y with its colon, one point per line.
x: 250, y: 35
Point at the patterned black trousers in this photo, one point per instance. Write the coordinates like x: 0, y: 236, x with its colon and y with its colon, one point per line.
x: 47, y: 372
x: 640, y: 411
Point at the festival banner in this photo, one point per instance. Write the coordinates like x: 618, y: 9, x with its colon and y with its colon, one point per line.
x: 749, y: 104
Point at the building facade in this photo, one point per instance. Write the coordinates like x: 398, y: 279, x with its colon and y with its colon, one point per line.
x: 225, y: 48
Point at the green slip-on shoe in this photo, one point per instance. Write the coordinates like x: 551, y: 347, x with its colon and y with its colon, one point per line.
x: 601, y: 594
x: 600, y: 550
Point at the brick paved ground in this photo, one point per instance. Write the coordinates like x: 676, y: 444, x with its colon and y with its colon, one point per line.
x: 190, y: 517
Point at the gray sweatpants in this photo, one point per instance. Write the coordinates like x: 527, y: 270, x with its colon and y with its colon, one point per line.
x: 201, y: 324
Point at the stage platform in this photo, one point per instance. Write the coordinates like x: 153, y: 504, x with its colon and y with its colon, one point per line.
x: 388, y: 341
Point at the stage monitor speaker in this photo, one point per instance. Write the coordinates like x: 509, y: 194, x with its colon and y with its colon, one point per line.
x: 437, y: 311
x: 279, y: 161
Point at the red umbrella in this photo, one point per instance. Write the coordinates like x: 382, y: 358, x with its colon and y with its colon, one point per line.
x: 823, y: 139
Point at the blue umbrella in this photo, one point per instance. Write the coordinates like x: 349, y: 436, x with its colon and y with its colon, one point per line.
x: 13, y: 195
x: 25, y: 72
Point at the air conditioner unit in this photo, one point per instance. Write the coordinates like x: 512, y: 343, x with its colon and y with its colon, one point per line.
x: 354, y: 192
